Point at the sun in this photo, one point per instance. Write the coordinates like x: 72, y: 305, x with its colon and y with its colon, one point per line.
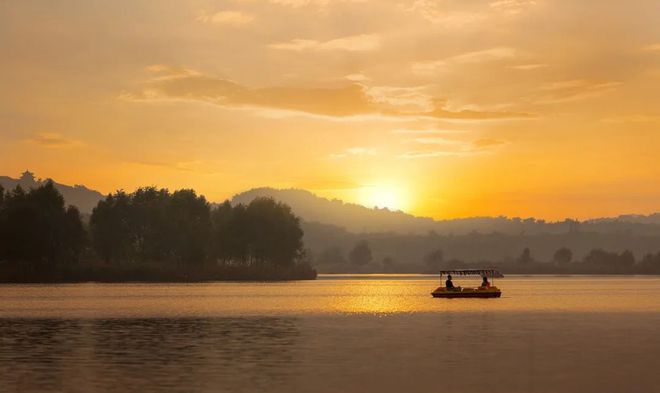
x: 389, y: 196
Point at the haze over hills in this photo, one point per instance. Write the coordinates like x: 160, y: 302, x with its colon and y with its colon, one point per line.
x: 359, y: 219
x: 80, y: 196
x: 332, y: 228
x: 356, y: 218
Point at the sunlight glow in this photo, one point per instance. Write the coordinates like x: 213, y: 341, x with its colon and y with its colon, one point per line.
x: 390, y: 196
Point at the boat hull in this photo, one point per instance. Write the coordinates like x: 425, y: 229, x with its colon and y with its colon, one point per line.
x: 486, y: 293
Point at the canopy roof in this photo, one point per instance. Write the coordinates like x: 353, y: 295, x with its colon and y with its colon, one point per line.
x: 473, y: 272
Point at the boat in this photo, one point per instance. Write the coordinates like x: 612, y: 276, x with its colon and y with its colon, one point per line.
x: 479, y: 292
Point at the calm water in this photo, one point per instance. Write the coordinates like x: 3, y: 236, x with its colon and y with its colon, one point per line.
x: 336, y: 334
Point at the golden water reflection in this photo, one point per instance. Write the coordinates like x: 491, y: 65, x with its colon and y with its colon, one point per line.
x: 382, y: 294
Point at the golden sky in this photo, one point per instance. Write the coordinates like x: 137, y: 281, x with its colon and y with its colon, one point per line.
x: 441, y: 108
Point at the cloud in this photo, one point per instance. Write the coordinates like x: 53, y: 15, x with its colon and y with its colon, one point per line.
x: 227, y: 18
x: 355, y: 43
x: 444, y: 147
x: 315, y: 3
x: 436, y: 13
x: 353, y: 99
x: 528, y: 67
x: 512, y: 7
x: 572, y: 90
x: 425, y: 131
x: 52, y: 140
x: 474, y: 57
x: 652, y: 48
x: 440, y: 112
x: 354, y: 151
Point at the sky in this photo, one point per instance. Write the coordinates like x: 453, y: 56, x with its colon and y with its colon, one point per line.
x: 448, y: 108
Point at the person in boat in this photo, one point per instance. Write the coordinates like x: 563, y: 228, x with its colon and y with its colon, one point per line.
x: 485, y: 283
x: 450, y: 285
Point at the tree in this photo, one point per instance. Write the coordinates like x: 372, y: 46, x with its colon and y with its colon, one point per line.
x: 563, y: 256
x: 434, y: 259
x: 263, y: 232
x: 37, y: 229
x: 152, y: 225
x: 273, y: 233
x: 610, y: 261
x: 360, y: 254
x: 111, y: 228
x: 526, y: 257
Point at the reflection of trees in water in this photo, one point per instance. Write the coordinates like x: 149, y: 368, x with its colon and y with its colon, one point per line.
x: 148, y: 354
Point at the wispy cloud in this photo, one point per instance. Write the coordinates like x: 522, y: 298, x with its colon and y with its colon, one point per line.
x: 425, y: 131
x: 474, y: 57
x: 52, y: 140
x: 354, y: 151
x: 571, y: 90
x: 512, y: 6
x: 434, y: 12
x: 528, y: 67
x: 353, y: 99
x: 316, y: 3
x: 445, y: 147
x: 355, y: 43
x: 652, y: 48
x: 227, y: 18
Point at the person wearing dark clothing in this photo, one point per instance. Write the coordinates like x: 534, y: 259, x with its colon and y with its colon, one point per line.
x: 485, y: 283
x: 449, y: 284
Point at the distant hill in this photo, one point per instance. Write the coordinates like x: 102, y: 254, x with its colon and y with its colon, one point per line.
x: 80, y: 196
x: 359, y: 219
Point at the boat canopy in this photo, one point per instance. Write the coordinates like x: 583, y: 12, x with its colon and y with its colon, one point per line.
x: 473, y: 272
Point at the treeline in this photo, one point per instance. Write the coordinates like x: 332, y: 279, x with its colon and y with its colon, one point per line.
x: 598, y: 261
x: 150, y: 234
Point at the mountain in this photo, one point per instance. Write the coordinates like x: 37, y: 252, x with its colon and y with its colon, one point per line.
x: 80, y: 196
x: 359, y: 219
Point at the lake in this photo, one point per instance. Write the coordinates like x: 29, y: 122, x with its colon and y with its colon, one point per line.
x: 340, y: 333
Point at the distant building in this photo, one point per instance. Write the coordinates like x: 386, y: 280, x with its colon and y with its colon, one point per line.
x: 27, y: 176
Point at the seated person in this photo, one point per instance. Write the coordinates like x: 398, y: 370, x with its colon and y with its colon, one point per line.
x: 450, y: 285
x: 485, y: 283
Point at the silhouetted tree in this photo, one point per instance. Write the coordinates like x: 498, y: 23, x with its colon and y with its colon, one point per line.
x: 274, y: 233
x: 360, y: 254
x: 37, y: 229
x: 388, y: 263
x: 610, y: 261
x: 526, y: 257
x: 563, y: 256
x: 152, y: 225
x: 111, y: 228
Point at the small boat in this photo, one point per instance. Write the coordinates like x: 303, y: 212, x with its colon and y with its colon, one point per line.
x: 480, y: 292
